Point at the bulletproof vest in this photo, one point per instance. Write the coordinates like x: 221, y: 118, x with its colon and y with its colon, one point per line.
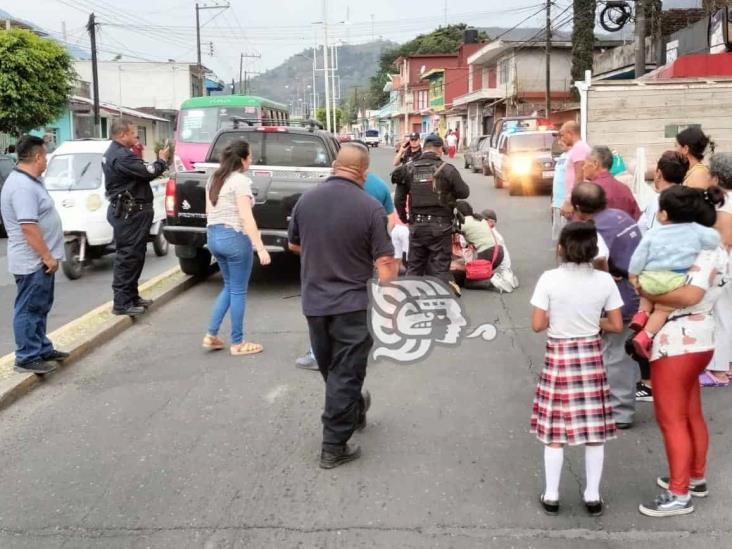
x: 425, y: 187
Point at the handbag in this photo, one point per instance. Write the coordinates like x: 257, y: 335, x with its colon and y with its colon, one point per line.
x: 482, y: 269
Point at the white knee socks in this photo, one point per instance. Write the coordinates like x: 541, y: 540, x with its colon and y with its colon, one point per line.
x: 553, y: 460
x: 594, y: 458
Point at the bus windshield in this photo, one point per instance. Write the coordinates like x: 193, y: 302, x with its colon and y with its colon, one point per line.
x: 200, y: 125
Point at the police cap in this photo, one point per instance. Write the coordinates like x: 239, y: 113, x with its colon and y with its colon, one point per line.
x: 434, y: 140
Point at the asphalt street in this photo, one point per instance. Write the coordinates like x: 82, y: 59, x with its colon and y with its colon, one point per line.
x: 151, y: 443
x: 73, y: 297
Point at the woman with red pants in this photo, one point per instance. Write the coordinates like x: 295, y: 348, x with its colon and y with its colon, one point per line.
x: 681, y: 351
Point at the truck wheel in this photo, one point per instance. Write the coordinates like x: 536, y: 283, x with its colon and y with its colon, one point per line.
x: 498, y: 182
x: 515, y: 190
x: 198, y: 265
x: 72, y: 267
x: 160, y: 244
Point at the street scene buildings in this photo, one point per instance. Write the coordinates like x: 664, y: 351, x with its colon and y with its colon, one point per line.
x: 335, y: 275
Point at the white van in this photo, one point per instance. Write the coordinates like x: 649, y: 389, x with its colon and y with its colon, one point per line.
x: 75, y: 181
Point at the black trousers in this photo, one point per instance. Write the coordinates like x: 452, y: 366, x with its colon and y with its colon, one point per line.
x: 341, y: 345
x: 130, y: 239
x: 430, y: 250
x: 488, y: 254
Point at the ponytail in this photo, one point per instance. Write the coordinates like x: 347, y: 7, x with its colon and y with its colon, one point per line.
x: 229, y: 162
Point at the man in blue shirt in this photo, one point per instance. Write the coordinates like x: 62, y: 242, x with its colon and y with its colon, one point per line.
x: 35, y: 247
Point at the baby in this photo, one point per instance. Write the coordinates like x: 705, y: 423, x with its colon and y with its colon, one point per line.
x: 664, y: 256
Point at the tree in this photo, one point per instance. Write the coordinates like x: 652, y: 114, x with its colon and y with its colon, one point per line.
x: 36, y: 78
x: 443, y: 40
x: 583, y: 40
x: 320, y: 117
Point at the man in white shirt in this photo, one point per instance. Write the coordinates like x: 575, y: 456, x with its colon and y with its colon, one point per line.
x: 670, y: 170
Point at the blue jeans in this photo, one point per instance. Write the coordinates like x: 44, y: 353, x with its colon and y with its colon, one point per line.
x: 32, y: 305
x: 235, y: 256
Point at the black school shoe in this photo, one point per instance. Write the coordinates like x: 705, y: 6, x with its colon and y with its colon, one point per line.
x: 333, y: 457
x: 551, y: 508
x: 594, y: 508
x: 145, y: 303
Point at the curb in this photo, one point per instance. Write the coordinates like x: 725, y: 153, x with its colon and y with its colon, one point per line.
x: 86, y: 333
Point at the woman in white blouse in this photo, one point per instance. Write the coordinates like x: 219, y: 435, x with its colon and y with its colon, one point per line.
x: 232, y: 238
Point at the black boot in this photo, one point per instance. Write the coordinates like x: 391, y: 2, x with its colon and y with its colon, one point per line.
x: 333, y: 457
x: 362, y: 416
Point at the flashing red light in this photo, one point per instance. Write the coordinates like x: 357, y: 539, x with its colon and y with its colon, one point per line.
x: 272, y: 129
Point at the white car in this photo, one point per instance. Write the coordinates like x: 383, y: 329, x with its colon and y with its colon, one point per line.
x: 75, y: 181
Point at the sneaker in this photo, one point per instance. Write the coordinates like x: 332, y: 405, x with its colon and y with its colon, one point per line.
x: 307, y: 362
x: 642, y: 344
x: 38, y: 367
x: 697, y: 488
x: 667, y: 504
x: 57, y: 356
x: 338, y: 456
x: 550, y: 507
x: 643, y: 393
x: 639, y: 321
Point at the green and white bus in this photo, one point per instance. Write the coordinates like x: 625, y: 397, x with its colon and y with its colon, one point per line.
x: 200, y: 118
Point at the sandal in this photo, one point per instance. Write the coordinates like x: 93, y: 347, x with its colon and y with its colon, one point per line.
x: 707, y: 379
x: 213, y: 343
x: 246, y: 348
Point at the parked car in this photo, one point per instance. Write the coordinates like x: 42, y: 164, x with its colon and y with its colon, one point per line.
x: 75, y: 180
x: 371, y: 138
x: 7, y: 163
x: 525, y: 162
x: 481, y: 158
x: 471, y: 153
x: 286, y: 162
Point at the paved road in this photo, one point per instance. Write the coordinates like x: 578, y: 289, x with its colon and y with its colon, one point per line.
x: 73, y: 297
x: 149, y: 442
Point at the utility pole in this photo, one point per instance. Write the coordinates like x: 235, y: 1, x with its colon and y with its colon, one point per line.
x: 241, y: 68
x: 548, y: 106
x: 200, y: 7
x: 91, y: 26
x: 640, y: 38
x: 334, y: 62
x: 326, y: 65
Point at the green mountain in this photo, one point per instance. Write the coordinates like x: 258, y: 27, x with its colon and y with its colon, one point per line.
x: 288, y: 82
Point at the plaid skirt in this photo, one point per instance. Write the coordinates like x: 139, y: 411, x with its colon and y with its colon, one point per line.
x: 571, y: 405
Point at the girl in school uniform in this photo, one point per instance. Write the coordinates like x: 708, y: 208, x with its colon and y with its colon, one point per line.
x: 571, y: 405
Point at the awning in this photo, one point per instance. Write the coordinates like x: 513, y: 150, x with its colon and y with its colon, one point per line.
x: 485, y: 94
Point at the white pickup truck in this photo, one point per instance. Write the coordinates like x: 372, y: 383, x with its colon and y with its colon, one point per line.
x: 524, y: 162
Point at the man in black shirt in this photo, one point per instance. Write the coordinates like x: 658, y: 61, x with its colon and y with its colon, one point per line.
x: 340, y: 233
x: 127, y: 180
x: 409, y: 150
x: 432, y: 188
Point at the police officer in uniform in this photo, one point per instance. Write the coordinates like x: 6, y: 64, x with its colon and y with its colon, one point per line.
x: 408, y: 151
x: 127, y: 180
x: 432, y: 187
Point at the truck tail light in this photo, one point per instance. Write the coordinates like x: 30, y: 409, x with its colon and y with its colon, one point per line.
x: 170, y: 197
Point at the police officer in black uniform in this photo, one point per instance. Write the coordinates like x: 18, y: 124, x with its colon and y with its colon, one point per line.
x: 127, y: 180
x: 409, y: 150
x: 432, y: 187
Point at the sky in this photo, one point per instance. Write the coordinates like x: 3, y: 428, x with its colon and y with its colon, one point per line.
x: 266, y: 31
x: 270, y: 30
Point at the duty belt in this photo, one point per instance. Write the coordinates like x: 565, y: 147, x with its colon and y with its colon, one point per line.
x: 419, y: 218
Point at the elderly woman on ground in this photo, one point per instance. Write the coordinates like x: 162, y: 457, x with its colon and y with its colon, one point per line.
x: 718, y: 371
